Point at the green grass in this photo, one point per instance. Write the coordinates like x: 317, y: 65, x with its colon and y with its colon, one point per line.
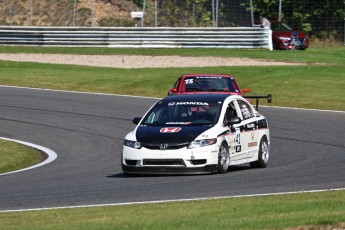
x: 319, y: 87
x: 263, y: 212
x: 14, y: 156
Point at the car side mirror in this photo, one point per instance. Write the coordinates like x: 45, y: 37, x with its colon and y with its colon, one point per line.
x: 136, y: 120
x: 234, y: 120
x: 246, y: 90
x: 174, y: 90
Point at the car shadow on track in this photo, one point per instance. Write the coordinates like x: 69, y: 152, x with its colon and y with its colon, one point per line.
x: 123, y: 175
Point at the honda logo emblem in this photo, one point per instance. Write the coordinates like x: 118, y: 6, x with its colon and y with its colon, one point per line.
x: 163, y: 146
x: 170, y: 130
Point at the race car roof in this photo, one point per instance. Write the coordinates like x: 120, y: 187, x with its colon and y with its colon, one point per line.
x: 207, y: 75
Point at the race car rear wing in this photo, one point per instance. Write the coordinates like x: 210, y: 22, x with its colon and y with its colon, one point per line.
x: 269, y: 99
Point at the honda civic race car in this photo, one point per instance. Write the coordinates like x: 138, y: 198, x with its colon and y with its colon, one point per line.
x: 204, y: 133
x: 206, y: 83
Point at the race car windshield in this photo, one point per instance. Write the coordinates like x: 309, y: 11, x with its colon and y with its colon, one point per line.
x: 280, y: 27
x: 210, y: 84
x: 183, y: 113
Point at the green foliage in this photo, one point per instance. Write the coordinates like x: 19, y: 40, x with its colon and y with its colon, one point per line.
x: 139, y: 3
x: 320, y: 18
x: 307, y: 27
x: 184, y: 13
x: 83, y: 17
x: 267, y: 8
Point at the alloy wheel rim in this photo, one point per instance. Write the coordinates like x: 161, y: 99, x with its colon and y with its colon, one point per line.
x: 223, y: 157
x: 265, y: 151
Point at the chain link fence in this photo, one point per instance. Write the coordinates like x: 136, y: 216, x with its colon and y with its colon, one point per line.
x: 322, y: 20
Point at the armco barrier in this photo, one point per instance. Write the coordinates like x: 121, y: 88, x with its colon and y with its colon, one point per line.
x: 147, y: 37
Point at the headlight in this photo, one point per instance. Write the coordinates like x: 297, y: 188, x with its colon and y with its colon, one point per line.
x: 132, y: 144
x: 202, y: 143
x: 284, y: 38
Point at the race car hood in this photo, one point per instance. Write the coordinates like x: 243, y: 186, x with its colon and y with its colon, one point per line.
x: 167, y: 134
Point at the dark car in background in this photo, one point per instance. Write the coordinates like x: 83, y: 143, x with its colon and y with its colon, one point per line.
x: 286, y: 38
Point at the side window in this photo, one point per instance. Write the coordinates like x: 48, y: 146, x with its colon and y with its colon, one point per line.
x: 230, y: 112
x: 232, y: 85
x: 177, y: 83
x: 154, y: 117
x: 245, y: 109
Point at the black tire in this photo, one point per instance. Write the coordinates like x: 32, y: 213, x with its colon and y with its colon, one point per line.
x: 223, y: 158
x: 263, y: 154
x: 122, y: 167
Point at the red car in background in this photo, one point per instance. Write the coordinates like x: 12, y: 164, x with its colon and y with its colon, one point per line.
x: 206, y: 83
x: 283, y: 37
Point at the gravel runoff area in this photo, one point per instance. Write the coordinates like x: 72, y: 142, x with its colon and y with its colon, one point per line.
x: 132, y: 61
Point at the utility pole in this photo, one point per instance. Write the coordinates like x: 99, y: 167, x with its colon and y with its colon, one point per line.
x: 142, y: 18
x: 280, y: 10
x: 251, y: 12
x: 10, y: 11
x: 91, y: 13
x: 30, y: 17
x: 156, y: 13
x: 217, y: 8
x: 74, y: 12
x: 213, y: 16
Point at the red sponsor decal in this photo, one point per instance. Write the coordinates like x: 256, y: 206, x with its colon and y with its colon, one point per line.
x: 170, y: 130
x: 252, y: 144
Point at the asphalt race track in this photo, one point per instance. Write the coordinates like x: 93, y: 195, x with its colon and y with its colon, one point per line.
x: 87, y: 131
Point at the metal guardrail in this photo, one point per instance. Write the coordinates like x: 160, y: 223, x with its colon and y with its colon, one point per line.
x: 147, y: 37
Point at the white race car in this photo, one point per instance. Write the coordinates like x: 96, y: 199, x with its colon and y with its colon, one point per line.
x: 192, y: 134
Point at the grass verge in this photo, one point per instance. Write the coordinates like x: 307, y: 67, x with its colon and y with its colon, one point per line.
x: 312, y: 210
x: 319, y: 87
x: 14, y: 156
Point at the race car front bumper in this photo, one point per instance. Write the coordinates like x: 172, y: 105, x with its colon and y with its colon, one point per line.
x: 178, y: 161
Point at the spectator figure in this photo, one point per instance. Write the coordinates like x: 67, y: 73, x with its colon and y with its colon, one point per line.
x: 264, y: 23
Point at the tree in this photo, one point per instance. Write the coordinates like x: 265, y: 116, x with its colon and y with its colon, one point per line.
x: 321, y: 18
x: 184, y: 13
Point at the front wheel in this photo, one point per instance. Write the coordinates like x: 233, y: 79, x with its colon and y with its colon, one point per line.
x: 223, y: 158
x: 263, y: 155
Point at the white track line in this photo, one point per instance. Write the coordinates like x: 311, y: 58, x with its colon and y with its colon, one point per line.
x: 318, y: 110
x: 169, y: 201
x: 77, y: 92
x: 51, y: 155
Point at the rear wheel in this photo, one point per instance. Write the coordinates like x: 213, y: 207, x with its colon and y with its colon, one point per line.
x: 263, y: 155
x: 223, y: 158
